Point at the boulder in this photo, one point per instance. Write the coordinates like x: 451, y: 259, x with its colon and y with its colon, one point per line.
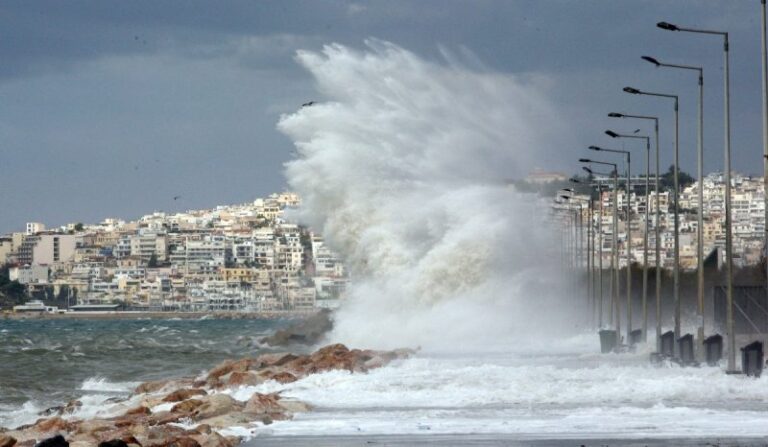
x: 56, y: 441
x: 114, y: 443
x: 230, y: 366
x: 138, y: 411
x: 184, y: 394
x: 7, y: 441
x: 187, y: 406
x: 216, y: 405
x: 283, y: 377
x: 308, y: 331
x: 54, y: 424
x: 236, y: 378
x: 212, y: 440
x: 276, y: 358
x: 265, y: 404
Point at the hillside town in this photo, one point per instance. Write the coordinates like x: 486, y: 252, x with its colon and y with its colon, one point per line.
x: 246, y: 257
x: 748, y: 211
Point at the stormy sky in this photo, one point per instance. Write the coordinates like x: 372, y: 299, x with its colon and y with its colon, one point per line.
x: 113, y: 108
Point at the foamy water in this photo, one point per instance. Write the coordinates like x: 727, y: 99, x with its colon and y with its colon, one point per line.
x: 579, y: 395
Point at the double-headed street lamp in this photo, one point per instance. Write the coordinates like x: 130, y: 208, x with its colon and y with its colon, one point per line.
x: 657, y: 231
x: 700, y: 174
x: 676, y: 269
x: 645, y: 238
x: 629, y: 237
x: 615, y: 245
x: 728, y: 235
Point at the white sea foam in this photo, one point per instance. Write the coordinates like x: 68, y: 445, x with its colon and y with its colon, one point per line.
x: 403, y: 169
x: 553, y: 397
x: 102, y: 385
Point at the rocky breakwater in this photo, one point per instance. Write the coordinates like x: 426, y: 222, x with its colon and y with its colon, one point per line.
x: 192, y: 412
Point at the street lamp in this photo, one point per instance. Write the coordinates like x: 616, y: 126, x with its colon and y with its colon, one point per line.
x: 590, y: 253
x: 599, y: 244
x: 764, y: 57
x: 645, y: 233
x: 629, y: 232
x: 575, y: 235
x: 657, y: 230
x: 700, y: 173
x: 728, y: 235
x: 615, y: 245
x: 676, y: 169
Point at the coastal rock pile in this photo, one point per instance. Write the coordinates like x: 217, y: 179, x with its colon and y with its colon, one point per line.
x: 190, y: 412
x: 308, y: 331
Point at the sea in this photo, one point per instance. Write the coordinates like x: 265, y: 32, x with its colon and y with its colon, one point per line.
x: 560, y: 390
x: 48, y: 362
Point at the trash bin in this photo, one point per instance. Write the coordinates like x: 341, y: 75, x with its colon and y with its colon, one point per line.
x: 668, y: 344
x: 635, y: 337
x: 685, y: 348
x: 713, y: 349
x: 607, y: 340
x: 752, y: 359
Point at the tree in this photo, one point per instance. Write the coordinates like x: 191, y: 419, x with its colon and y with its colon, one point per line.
x: 152, y: 263
x: 667, y: 180
x: 11, y: 292
x: 79, y: 227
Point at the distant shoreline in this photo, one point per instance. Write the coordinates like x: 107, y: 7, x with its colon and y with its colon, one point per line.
x: 135, y: 315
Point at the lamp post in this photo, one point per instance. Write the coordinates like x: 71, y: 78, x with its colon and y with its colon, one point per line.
x: 599, y: 244
x: 657, y: 230
x: 590, y: 253
x: 615, y: 251
x: 645, y: 238
x: 629, y: 237
x: 582, y: 254
x: 764, y: 57
x: 728, y: 235
x: 700, y: 174
x: 676, y: 269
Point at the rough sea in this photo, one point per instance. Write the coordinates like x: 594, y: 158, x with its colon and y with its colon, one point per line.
x: 47, y: 362
x: 559, y: 390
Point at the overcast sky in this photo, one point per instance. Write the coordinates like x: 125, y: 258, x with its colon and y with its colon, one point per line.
x: 113, y: 108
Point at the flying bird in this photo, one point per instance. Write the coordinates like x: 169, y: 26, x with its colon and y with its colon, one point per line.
x: 176, y: 197
x: 636, y: 131
x: 307, y: 104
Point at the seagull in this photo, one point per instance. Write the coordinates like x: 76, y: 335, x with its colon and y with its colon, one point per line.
x: 307, y: 104
x: 636, y: 131
x: 176, y: 197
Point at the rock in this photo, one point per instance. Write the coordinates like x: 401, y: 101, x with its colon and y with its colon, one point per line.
x: 216, y: 405
x: 56, y: 441
x: 227, y: 420
x: 308, y: 331
x: 54, y: 424
x: 140, y: 410
x: 283, y: 377
x: 164, y: 435
x: 184, y: 394
x: 247, y: 378
x: 276, y: 358
x: 212, y: 440
x: 294, y: 406
x: 265, y: 405
x: 187, y: 406
x: 161, y: 385
x: 7, y: 441
x: 151, y: 387
x: 230, y: 366
x: 114, y: 443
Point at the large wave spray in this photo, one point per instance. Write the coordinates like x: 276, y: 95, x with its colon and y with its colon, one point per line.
x: 402, y: 169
